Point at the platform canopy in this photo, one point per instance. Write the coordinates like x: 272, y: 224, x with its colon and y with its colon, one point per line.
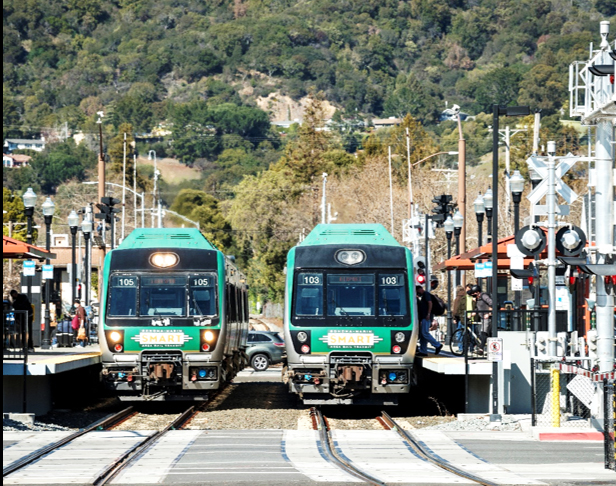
x: 466, y: 261
x: 12, y: 248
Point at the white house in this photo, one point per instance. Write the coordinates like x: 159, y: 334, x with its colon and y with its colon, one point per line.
x: 22, y: 143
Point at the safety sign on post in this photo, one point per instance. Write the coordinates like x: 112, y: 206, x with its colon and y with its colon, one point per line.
x: 495, y: 349
x: 29, y: 268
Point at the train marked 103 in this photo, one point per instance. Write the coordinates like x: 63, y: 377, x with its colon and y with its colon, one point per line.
x: 350, y: 318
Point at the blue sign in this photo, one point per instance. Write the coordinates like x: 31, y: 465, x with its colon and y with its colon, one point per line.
x: 29, y: 268
x: 48, y: 272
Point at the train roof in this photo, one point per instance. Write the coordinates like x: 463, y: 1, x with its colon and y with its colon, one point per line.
x: 166, y: 238
x: 341, y: 234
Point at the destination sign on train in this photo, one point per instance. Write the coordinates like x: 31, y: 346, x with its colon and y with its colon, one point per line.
x: 350, y: 279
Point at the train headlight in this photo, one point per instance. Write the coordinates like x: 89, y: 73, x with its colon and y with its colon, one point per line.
x: 399, y: 337
x: 350, y: 257
x: 115, y: 336
x: 164, y: 260
x: 209, y: 336
x: 302, y: 337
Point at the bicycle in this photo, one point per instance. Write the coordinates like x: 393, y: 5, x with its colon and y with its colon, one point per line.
x: 464, y: 339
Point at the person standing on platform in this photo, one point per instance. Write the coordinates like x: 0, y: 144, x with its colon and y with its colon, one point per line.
x: 484, y: 308
x: 80, y: 314
x: 22, y: 303
x: 424, y: 310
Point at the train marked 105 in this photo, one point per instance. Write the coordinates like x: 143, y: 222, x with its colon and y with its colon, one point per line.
x: 173, y: 316
x: 350, y: 318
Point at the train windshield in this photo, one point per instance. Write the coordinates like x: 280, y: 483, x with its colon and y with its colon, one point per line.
x: 377, y: 298
x: 202, y: 295
x: 163, y: 296
x: 123, y: 296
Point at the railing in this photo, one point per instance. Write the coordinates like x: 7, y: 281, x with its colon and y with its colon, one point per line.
x: 15, y: 335
x: 523, y: 319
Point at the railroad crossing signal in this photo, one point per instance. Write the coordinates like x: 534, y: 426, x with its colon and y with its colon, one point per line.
x: 107, y: 209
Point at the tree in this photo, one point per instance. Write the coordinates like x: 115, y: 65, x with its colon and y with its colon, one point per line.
x: 13, y: 210
x: 200, y: 206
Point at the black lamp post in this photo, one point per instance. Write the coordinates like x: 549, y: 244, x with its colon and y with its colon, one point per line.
x: 480, y: 212
x: 48, y: 209
x: 458, y: 222
x: 86, y: 228
x: 449, y: 228
x: 488, y: 203
x: 73, y: 223
x: 516, y: 183
x: 29, y: 199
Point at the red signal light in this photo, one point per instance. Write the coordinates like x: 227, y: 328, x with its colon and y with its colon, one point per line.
x: 396, y: 349
x: 305, y: 349
x: 118, y: 348
x: 531, y: 280
x: 205, y: 347
x: 572, y: 280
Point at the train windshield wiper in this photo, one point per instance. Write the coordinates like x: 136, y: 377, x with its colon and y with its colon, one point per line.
x: 341, y: 309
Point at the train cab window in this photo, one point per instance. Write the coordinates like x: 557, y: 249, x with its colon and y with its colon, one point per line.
x: 350, y: 295
x: 392, y: 295
x: 309, y: 294
x: 123, y: 296
x: 163, y: 296
x: 202, y: 295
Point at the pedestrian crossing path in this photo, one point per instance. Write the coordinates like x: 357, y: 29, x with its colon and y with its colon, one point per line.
x: 283, y: 457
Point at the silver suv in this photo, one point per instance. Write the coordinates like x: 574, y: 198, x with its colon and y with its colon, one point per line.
x: 265, y: 348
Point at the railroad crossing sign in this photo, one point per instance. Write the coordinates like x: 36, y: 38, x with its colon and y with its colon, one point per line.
x: 495, y: 349
x: 539, y: 165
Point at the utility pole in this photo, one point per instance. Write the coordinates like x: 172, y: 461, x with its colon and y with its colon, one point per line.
x: 391, y: 194
x: 408, y: 160
x: 124, y: 189
x: 462, y: 187
x: 324, y: 200
x: 101, y: 157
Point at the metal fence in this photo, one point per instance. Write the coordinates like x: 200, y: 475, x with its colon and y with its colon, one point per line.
x: 560, y: 398
x: 15, y: 335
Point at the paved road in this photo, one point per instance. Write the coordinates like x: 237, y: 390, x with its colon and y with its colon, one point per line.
x: 294, y: 457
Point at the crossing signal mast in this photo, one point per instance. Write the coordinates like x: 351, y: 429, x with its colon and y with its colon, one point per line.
x: 107, y: 211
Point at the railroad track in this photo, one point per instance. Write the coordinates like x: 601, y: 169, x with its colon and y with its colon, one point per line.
x: 125, y: 459
x: 320, y: 423
x: 103, y: 424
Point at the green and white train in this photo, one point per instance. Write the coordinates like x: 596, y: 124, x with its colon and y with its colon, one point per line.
x: 350, y: 320
x: 173, y: 316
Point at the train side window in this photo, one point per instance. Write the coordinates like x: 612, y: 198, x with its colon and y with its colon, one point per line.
x: 123, y: 296
x: 392, y: 295
x: 309, y: 295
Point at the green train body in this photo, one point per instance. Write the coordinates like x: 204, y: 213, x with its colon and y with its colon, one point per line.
x: 350, y: 318
x: 173, y: 316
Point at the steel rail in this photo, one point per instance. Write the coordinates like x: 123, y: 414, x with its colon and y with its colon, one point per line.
x: 104, y: 423
x: 329, y: 448
x: 429, y: 456
x: 111, y: 471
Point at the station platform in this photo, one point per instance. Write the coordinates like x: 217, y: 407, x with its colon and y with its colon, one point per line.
x: 48, y: 374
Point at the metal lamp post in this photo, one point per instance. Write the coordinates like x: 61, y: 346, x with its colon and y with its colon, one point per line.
x: 480, y: 211
x: 449, y: 228
x: 29, y: 199
x: 458, y: 222
x: 48, y: 209
x: 516, y: 183
x: 73, y: 223
x: 488, y: 203
x: 86, y: 228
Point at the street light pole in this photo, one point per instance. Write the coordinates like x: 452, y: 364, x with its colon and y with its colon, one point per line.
x: 488, y: 201
x: 516, y: 185
x: 73, y: 223
x: 480, y: 211
x: 154, y: 204
x: 48, y: 209
x: 29, y: 199
x: 86, y: 228
x: 449, y: 228
x: 458, y: 224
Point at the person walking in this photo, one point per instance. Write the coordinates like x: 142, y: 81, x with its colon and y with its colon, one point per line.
x: 21, y: 302
x: 424, y: 312
x: 484, y: 309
